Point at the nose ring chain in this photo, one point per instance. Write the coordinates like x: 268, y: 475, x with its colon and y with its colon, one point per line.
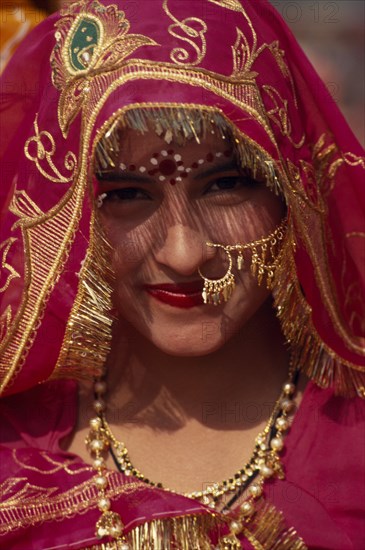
x: 265, y: 255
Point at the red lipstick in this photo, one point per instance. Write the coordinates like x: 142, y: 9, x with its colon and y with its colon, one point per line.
x: 183, y: 295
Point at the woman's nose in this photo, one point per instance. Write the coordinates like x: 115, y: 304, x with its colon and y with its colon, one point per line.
x: 184, y: 250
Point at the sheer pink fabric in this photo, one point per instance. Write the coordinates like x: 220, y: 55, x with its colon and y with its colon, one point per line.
x: 282, y: 107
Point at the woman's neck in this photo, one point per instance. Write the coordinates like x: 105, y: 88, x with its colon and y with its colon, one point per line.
x: 149, y: 387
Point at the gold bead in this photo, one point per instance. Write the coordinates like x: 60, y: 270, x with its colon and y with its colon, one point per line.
x: 247, y: 509
x: 282, y: 424
x: 276, y: 444
x: 99, y: 405
x: 104, y: 504
x: 101, y: 482
x: 235, y: 526
x: 95, y: 423
x: 100, y: 387
x: 255, y: 490
x: 287, y: 404
x: 289, y: 388
x: 98, y: 463
x: 96, y: 445
x: 266, y: 471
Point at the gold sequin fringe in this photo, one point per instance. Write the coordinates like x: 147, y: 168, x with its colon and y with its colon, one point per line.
x: 309, y: 353
x: 268, y: 531
x: 180, y: 533
x: 182, y: 124
x: 88, y: 332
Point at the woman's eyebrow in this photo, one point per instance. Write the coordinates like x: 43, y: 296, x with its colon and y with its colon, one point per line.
x: 118, y: 176
x: 217, y: 169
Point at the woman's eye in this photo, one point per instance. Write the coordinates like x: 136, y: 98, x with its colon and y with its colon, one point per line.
x: 126, y: 194
x: 227, y: 183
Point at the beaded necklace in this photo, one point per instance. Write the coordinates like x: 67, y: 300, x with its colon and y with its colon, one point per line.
x: 264, y: 463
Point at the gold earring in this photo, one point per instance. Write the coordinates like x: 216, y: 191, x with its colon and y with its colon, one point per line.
x: 215, y: 291
x: 266, y: 248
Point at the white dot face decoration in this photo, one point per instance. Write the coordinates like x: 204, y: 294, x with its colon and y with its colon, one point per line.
x: 169, y: 166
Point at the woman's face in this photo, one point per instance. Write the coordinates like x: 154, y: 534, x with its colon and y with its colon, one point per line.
x: 162, y: 203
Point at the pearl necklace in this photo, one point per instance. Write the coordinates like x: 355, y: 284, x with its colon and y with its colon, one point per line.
x: 264, y: 463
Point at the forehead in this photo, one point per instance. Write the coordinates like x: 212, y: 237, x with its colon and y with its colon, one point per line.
x: 137, y: 146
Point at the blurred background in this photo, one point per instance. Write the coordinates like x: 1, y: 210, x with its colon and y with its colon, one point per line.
x: 331, y: 33
x: 332, y: 36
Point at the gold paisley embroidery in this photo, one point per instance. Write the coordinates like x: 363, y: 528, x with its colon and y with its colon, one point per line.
x: 7, y: 272
x: 91, y: 38
x: 40, y: 150
x: 193, y: 32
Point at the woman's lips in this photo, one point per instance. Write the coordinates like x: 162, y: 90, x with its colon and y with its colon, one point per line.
x: 183, y: 295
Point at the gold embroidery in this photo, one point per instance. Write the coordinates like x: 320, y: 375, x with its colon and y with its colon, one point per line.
x: 5, y: 321
x: 354, y: 304
x: 62, y: 465
x: 348, y: 158
x: 44, y: 148
x: 267, y: 531
x: 25, y: 208
x: 279, y: 114
x: 46, y: 247
x: 91, y: 38
x: 234, y: 5
x: 88, y: 333
x: 241, y: 57
x: 7, y: 272
x: 193, y: 30
x: 32, y: 504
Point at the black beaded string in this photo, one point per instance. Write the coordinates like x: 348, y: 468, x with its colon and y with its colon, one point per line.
x: 272, y: 433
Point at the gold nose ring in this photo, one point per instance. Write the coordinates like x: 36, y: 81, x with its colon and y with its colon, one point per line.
x: 216, y: 291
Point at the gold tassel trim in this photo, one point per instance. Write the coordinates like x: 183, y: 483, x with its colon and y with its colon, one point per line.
x: 267, y: 530
x: 88, y: 332
x: 309, y: 352
x: 179, y: 533
x: 182, y: 124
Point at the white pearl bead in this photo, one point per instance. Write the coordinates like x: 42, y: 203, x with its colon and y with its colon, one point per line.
x: 255, y: 490
x: 101, y: 482
x: 247, y: 508
x: 98, y: 463
x: 104, y: 504
x: 100, y: 387
x: 95, y: 423
x: 96, y: 445
x: 276, y: 443
x: 282, y: 424
x: 235, y: 526
x: 289, y: 388
x: 124, y: 546
x: 99, y: 405
x: 287, y: 404
x: 266, y: 471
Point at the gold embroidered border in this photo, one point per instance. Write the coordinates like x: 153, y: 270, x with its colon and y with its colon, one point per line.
x: 18, y: 512
x: 47, y: 241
